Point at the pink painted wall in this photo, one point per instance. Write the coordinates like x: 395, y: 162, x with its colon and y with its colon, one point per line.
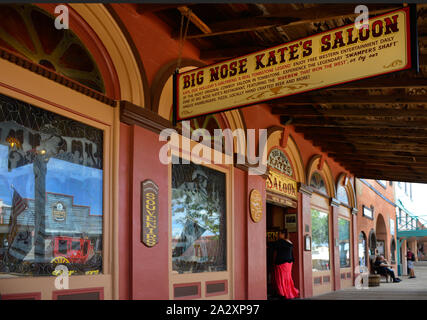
x: 152, y: 38
x: 257, y: 251
x: 335, y: 249
x: 306, y: 269
x: 149, y: 266
x: 124, y: 213
x: 240, y: 236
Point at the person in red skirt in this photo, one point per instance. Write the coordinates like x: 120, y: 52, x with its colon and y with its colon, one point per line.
x: 283, y: 259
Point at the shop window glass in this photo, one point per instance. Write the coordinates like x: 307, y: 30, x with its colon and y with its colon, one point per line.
x: 318, y: 183
x: 362, y: 250
x: 51, y: 194
x: 320, y: 240
x: 344, y: 242
x: 372, y: 243
x: 199, y: 242
x: 393, y: 251
x: 342, y: 195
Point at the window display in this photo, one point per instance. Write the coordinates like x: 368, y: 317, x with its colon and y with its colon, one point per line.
x: 51, y: 192
x: 320, y: 240
x: 344, y: 242
x: 199, y: 242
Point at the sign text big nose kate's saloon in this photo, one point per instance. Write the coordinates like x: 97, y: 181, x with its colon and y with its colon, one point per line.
x: 329, y: 58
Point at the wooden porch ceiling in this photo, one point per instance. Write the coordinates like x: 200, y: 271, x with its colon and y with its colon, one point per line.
x: 375, y: 128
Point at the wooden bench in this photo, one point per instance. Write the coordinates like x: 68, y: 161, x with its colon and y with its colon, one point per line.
x: 375, y: 276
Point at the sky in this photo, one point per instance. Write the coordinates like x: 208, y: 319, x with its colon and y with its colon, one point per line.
x: 419, y: 194
x: 84, y: 183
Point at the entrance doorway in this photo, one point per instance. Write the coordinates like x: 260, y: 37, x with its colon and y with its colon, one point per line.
x: 278, y: 218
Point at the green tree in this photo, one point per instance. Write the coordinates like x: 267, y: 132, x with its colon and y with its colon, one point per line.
x: 319, y: 227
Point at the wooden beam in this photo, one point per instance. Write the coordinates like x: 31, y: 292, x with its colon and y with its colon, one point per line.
x: 382, y: 83
x: 363, y: 157
x: 194, y: 19
x: 391, y: 174
x: 386, y: 166
x: 228, y: 53
x: 392, y: 154
x: 422, y: 141
x: 252, y: 24
x: 372, y: 132
x: 286, y: 18
x: 368, y: 175
x: 368, y: 139
x: 367, y: 124
x: 347, y: 150
x: 369, y: 146
x: 381, y: 176
x: 351, y: 112
x: 156, y: 7
x: 359, y: 167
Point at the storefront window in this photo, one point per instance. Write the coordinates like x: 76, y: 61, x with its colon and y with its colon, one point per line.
x: 393, y: 251
x: 320, y: 240
x: 344, y: 242
x: 199, y: 242
x: 51, y: 194
x: 372, y: 243
x: 362, y: 250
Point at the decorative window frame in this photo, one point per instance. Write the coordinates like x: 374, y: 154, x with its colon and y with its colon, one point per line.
x: 18, y: 83
x: 205, y: 277
x: 371, y: 208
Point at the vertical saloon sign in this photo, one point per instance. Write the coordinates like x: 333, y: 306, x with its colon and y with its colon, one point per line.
x: 149, y: 213
x: 326, y: 59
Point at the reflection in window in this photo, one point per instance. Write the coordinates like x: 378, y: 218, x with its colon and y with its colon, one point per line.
x: 393, y: 251
x: 344, y: 242
x: 342, y: 194
x: 372, y: 243
x: 320, y: 240
x: 318, y: 183
x: 198, y: 219
x: 50, y: 191
x: 362, y: 250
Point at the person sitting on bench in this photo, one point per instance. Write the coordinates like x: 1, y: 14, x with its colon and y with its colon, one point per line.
x: 384, y: 268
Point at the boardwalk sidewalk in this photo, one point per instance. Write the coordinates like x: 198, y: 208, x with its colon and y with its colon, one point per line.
x: 407, y: 289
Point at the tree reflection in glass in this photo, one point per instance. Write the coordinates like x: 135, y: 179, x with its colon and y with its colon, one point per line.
x: 320, y: 240
x: 344, y: 242
x: 198, y: 219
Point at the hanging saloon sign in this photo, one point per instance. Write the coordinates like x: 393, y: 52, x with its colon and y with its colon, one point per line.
x: 279, y: 178
x: 326, y: 59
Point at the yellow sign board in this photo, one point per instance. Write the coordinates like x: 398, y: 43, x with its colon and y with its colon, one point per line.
x: 326, y: 59
x: 281, y: 184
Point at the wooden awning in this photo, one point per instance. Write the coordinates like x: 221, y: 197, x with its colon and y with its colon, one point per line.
x: 376, y: 128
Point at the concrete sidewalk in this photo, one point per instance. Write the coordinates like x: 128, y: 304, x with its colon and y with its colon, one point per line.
x: 407, y: 289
